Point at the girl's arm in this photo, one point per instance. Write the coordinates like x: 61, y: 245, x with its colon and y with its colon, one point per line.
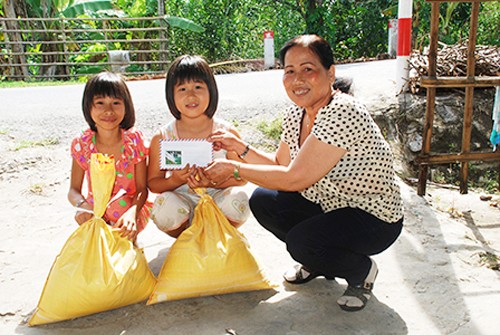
x: 127, y: 223
x: 75, y: 196
x: 156, y: 180
x: 314, y: 160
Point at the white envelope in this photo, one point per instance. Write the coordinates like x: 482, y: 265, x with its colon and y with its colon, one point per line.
x: 176, y: 154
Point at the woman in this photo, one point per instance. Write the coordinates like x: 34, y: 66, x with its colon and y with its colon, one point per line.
x: 329, y: 192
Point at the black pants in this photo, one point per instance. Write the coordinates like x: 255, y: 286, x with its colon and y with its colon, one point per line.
x: 336, y: 243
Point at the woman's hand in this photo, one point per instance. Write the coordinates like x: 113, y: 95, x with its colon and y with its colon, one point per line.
x: 222, y: 139
x: 127, y: 224
x: 220, y: 170
x: 199, y: 179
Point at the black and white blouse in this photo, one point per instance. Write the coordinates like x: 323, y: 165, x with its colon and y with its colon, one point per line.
x: 364, y: 177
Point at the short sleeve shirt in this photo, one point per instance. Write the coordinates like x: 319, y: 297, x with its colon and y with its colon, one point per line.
x: 134, y: 151
x: 364, y: 177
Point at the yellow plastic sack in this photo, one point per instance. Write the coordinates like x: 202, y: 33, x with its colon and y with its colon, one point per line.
x: 210, y: 257
x: 96, y: 270
x: 102, y: 178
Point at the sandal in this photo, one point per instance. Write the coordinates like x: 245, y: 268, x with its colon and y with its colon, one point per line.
x: 356, y: 297
x: 300, y: 275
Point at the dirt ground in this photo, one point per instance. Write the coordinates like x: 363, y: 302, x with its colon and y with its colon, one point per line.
x: 436, y: 279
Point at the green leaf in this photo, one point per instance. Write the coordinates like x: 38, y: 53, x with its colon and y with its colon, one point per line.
x: 179, y: 22
x: 390, y: 11
x: 81, y: 7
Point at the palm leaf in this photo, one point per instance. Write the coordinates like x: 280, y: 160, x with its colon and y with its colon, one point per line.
x: 81, y: 7
x: 182, y: 23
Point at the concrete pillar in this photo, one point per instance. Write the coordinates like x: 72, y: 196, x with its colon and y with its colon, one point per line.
x: 404, y: 44
x: 268, y: 49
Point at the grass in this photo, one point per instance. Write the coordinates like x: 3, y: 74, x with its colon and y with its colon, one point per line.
x: 36, y: 189
x: 42, y: 143
x: 271, y: 129
x: 491, y: 260
x: 14, y: 84
x: 481, y: 178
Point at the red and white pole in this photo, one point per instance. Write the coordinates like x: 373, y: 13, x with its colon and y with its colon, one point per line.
x: 404, y: 44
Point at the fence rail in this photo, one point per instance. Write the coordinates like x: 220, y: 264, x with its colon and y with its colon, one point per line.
x: 68, y: 48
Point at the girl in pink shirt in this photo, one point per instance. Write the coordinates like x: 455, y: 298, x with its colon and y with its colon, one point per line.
x: 109, y: 112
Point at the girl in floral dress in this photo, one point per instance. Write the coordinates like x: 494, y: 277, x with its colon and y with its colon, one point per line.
x: 109, y: 112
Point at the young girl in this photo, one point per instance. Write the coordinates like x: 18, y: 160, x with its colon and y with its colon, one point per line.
x: 109, y: 112
x: 192, y: 98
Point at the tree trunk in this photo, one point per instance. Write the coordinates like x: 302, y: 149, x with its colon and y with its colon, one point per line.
x: 19, y: 72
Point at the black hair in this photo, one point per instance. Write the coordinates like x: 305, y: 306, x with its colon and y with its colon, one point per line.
x: 322, y: 49
x: 108, y: 84
x: 186, y: 68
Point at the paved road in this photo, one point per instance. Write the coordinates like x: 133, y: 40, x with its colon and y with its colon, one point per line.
x: 242, y: 96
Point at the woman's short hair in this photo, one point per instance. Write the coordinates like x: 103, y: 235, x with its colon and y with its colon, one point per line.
x: 108, y: 84
x: 321, y: 48
x: 186, y: 68
x: 318, y: 45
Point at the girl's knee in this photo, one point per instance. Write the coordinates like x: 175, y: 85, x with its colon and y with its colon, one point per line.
x: 234, y: 205
x: 169, y: 212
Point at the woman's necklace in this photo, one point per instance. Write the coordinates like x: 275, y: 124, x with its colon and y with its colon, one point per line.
x: 309, y: 123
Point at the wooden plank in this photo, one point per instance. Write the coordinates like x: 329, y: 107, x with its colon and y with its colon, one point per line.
x: 457, y: 158
x: 452, y: 82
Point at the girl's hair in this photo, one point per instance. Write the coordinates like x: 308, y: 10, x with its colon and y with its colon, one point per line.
x: 108, y: 84
x: 322, y: 49
x: 186, y: 68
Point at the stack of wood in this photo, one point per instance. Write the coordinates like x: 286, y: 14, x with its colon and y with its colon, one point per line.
x: 238, y: 66
x: 452, y: 62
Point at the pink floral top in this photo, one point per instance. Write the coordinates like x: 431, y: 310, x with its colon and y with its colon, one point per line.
x: 133, y: 151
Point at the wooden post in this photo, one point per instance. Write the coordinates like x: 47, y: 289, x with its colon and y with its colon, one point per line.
x: 469, y: 97
x: 431, y: 96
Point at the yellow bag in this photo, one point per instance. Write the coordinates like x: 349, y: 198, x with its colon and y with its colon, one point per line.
x: 102, y: 177
x: 97, y: 269
x: 210, y: 257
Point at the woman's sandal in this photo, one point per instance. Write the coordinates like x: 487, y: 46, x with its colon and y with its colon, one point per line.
x: 356, y: 297
x: 300, y: 275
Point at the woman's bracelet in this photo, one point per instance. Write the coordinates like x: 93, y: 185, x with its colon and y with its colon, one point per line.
x: 236, y: 172
x: 245, y: 152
